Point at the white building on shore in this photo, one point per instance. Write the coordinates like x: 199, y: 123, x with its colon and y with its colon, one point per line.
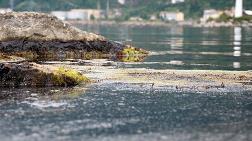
x: 239, y: 11
x: 172, y: 16
x: 248, y: 12
x: 238, y: 8
x: 5, y: 10
x: 78, y: 14
x: 60, y: 14
x: 211, y: 14
x: 177, y: 1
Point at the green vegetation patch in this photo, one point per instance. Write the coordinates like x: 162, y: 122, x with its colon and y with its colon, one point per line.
x: 131, y: 51
x: 245, y: 18
x: 131, y: 54
x: 34, y: 75
x: 224, y: 18
x: 68, y: 77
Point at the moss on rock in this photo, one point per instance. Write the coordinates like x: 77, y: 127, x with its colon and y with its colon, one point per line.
x: 65, y: 77
x: 35, y: 75
x: 131, y: 54
x: 131, y: 51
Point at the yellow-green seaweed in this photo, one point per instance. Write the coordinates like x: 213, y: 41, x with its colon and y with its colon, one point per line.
x: 131, y: 54
x: 131, y: 51
x: 66, y: 77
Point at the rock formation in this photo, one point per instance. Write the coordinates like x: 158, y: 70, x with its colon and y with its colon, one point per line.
x: 34, y: 75
x: 28, y: 36
x: 37, y: 35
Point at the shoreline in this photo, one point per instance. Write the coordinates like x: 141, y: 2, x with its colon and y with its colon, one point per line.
x: 159, y: 23
x: 169, y: 80
x: 102, y: 72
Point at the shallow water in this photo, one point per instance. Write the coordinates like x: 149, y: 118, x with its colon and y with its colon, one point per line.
x: 127, y: 112
x: 140, y: 112
x: 180, y: 47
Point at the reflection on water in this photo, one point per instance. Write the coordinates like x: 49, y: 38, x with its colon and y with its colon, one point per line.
x: 237, y: 45
x: 177, y: 43
x: 195, y: 48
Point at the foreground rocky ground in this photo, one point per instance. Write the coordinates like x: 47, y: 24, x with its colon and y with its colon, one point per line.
x: 103, y: 71
x: 109, y: 73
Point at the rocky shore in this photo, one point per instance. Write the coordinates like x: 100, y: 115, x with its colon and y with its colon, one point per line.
x: 164, y: 24
x: 33, y: 37
x: 107, y: 72
x: 36, y: 34
x: 32, y: 44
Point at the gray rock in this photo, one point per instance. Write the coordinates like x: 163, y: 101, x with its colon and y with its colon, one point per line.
x: 43, y: 35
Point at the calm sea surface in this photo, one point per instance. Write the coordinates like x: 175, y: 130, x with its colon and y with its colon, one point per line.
x: 186, y: 47
x: 115, y: 111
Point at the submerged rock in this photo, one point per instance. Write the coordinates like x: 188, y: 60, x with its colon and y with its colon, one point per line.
x: 36, y: 35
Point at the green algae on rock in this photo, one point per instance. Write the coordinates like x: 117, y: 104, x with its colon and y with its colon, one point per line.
x: 65, y: 77
x: 34, y: 75
x: 131, y: 54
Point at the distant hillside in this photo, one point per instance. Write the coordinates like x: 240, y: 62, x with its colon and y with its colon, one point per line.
x: 49, y: 5
x: 191, y: 8
x: 142, y: 8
